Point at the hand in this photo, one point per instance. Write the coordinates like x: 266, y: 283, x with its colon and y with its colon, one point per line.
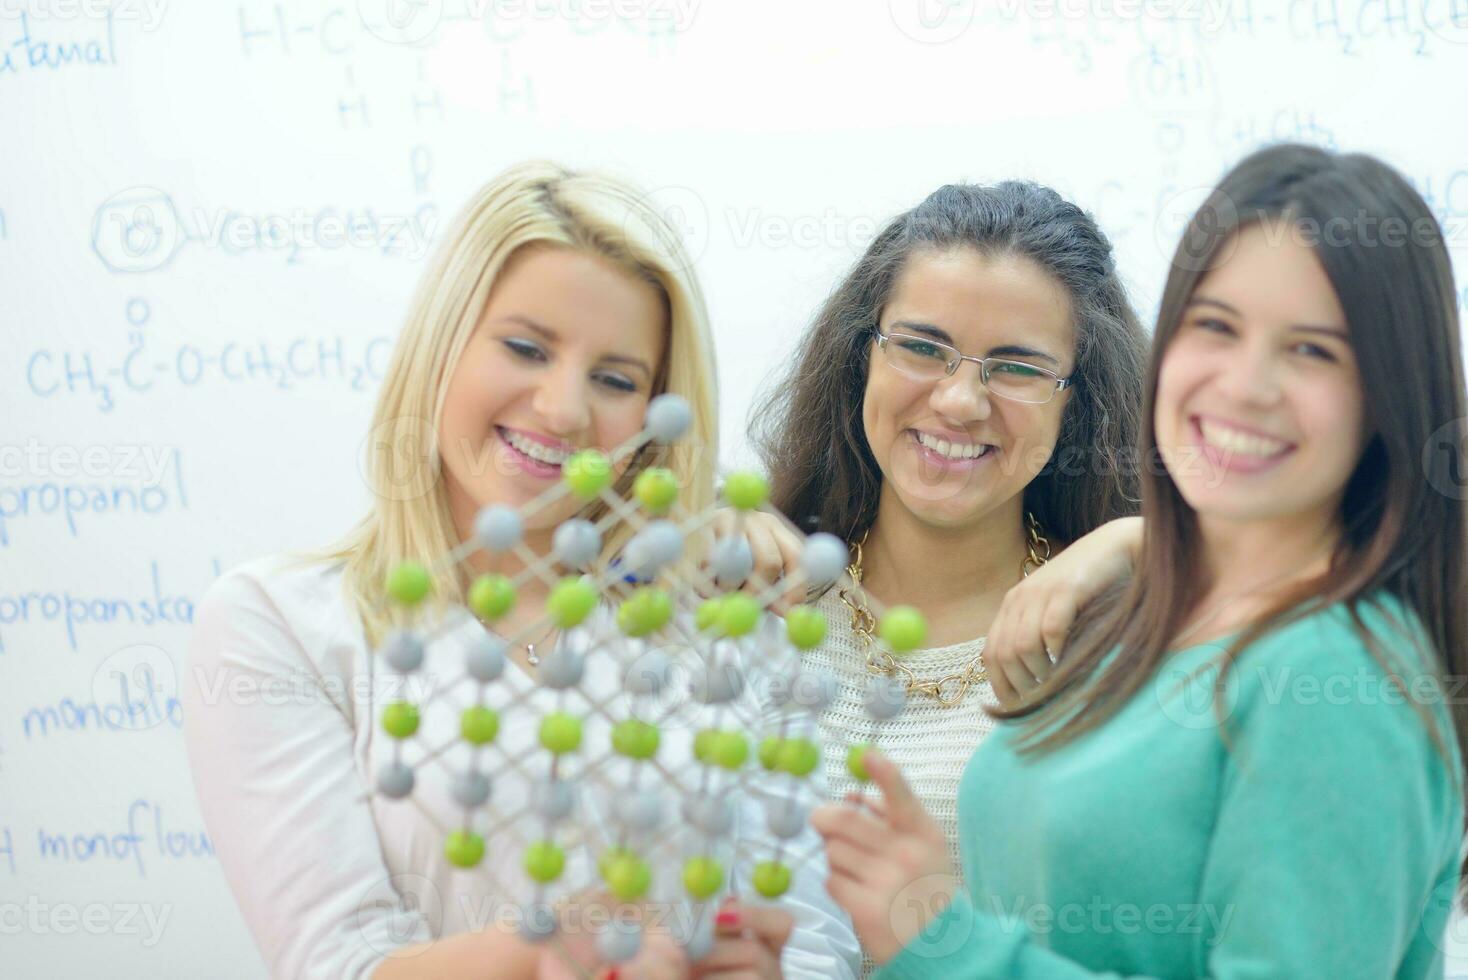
x: 748, y: 940
x: 776, y: 547
x: 1027, y: 637
x: 889, y: 861
x: 574, y: 955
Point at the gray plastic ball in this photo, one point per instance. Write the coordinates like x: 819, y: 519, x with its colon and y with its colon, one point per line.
x: 785, y: 817
x: 717, y: 683
x: 485, y: 658
x: 471, y: 789
x: 639, y: 809
x: 658, y: 544
x: 576, y: 543
x: 731, y: 560
x: 814, y: 690
x: 668, y: 417
x: 885, y: 697
x: 403, y: 650
x: 537, y: 923
x: 553, y: 799
x: 713, y: 815
x: 395, y: 780
x: 498, y: 528
x: 619, y: 941
x: 824, y: 558
x: 562, y: 668
x: 648, y: 673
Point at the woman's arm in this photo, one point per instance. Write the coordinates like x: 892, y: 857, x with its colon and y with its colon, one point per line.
x: 1028, y: 634
x: 288, y: 814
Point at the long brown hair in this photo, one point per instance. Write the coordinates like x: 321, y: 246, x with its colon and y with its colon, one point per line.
x: 809, y: 430
x: 1403, y: 535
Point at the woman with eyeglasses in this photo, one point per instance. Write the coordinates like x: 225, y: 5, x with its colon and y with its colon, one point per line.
x: 963, y: 406
x: 1249, y: 762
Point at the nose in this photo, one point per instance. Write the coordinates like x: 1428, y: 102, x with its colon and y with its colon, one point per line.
x: 562, y: 400
x: 962, y: 396
x: 1250, y: 374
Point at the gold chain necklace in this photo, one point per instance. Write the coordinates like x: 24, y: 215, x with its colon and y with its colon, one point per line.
x: 950, y: 689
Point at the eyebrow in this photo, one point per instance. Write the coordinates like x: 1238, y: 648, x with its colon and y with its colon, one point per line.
x: 1339, y: 333
x: 552, y: 336
x: 1004, y: 350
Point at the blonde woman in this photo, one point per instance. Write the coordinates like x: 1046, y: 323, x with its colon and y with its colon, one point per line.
x: 557, y: 307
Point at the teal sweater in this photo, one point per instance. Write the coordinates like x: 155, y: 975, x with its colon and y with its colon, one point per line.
x: 1323, y: 841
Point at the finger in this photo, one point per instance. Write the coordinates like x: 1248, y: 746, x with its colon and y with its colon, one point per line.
x: 856, y: 827
x: 873, y: 804
x: 846, y: 891
x: 791, y: 549
x: 1003, y: 690
x: 1035, y: 660
x: 770, y: 926
x: 904, y: 809
x: 730, y: 953
x: 1055, y: 626
x: 1019, y: 677
x: 844, y: 857
x: 767, y: 563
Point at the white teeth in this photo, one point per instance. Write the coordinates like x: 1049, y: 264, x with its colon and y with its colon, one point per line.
x: 535, y: 450
x: 952, y: 450
x: 1244, y: 443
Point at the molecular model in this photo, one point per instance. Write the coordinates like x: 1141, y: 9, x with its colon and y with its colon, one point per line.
x: 678, y: 629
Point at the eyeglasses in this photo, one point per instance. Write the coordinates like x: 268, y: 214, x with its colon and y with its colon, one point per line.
x: 923, y: 359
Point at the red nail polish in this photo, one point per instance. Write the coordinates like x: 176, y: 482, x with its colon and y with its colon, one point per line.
x: 611, y: 974
x: 728, y: 917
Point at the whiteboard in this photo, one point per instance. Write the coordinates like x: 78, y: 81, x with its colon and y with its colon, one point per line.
x: 212, y: 215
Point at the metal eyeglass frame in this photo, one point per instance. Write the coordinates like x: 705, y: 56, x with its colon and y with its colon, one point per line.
x: 953, y: 363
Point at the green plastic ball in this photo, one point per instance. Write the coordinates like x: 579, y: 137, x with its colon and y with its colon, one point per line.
x: 560, y: 732
x: 645, y: 611
x: 798, y: 757
x: 491, y: 596
x: 408, y: 582
x: 608, y: 858
x: 479, y: 725
x: 571, y: 601
x: 628, y: 876
x: 856, y: 764
x: 656, y: 489
x: 806, y: 627
x: 635, y: 738
x: 771, y: 879
x: 706, y: 617
x: 730, y: 749
x: 464, y: 848
x: 702, y: 876
x: 769, y: 751
x: 587, y: 473
x: 746, y: 490
x: 400, y: 719
x: 739, y: 614
x: 703, y: 745
x: 544, y: 861
x: 903, y: 628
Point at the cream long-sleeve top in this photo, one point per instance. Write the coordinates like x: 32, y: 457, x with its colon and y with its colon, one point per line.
x: 282, y: 707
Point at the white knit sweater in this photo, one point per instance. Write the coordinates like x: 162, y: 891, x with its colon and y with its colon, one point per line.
x: 930, y: 743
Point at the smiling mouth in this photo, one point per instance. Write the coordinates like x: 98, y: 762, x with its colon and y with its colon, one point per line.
x: 1237, y: 442
x: 957, y: 452
x: 536, y: 452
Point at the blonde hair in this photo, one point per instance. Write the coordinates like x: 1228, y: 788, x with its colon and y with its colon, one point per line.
x: 532, y: 203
